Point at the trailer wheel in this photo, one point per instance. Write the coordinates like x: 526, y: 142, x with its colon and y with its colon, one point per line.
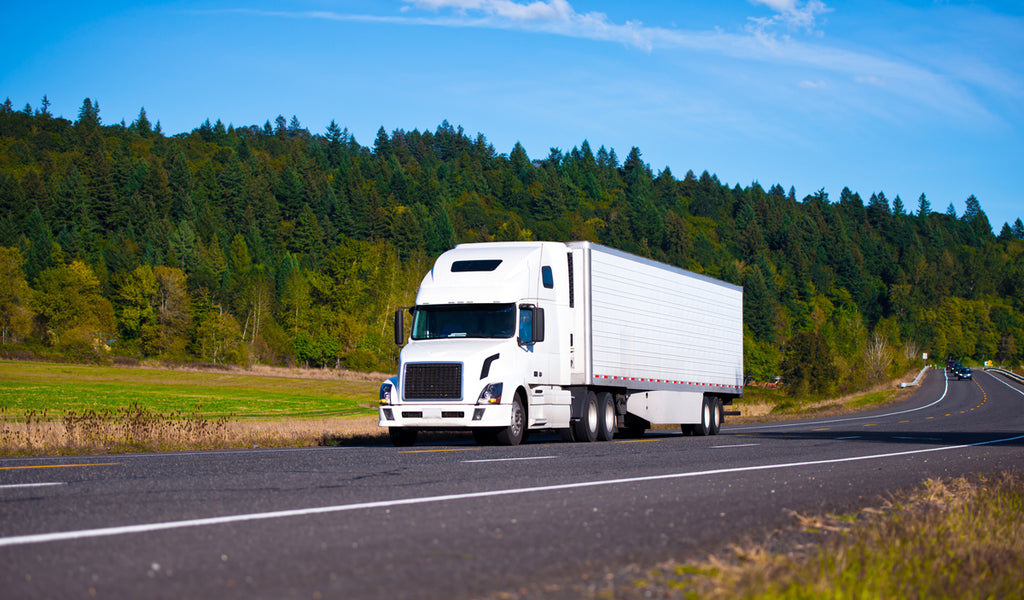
x: 606, y: 416
x: 402, y: 436
x: 706, y: 416
x: 716, y: 415
x: 586, y: 428
x: 513, y: 434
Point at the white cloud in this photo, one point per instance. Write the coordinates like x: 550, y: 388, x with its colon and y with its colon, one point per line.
x: 558, y: 10
x: 912, y: 81
x: 790, y: 13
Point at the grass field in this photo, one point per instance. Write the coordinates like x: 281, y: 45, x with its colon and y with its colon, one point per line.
x: 58, y: 388
x: 48, y: 408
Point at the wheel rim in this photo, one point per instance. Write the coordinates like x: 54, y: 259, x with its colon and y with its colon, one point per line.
x: 592, y: 416
x: 517, y: 419
x: 609, y: 417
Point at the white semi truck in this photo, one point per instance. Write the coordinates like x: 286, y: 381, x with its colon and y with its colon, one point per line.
x: 512, y: 337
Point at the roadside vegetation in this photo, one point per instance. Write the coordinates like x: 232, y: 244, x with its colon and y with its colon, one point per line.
x: 48, y: 408
x: 950, y: 538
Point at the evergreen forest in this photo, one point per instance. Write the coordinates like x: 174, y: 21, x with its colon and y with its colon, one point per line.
x: 273, y: 244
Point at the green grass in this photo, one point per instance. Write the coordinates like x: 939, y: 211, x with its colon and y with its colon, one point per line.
x: 55, y: 389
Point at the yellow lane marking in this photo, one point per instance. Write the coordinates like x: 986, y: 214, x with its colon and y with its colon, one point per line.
x: 821, y: 429
x: 869, y: 424
x: 439, y: 450
x: 636, y: 441
x: 906, y: 421
x: 60, y: 466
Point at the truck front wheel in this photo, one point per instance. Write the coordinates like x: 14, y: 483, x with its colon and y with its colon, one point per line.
x: 513, y: 434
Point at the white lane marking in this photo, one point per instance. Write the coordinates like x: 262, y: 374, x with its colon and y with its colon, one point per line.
x: 850, y: 437
x: 14, y: 486
x: 735, y: 445
x: 485, y: 460
x: 1004, y: 383
x: 945, y: 389
x: 63, y: 536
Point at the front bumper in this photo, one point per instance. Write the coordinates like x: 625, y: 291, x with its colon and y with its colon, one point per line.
x: 437, y: 415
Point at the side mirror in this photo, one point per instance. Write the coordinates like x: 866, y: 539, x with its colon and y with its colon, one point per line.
x: 399, y: 327
x: 531, y: 324
x: 538, y: 324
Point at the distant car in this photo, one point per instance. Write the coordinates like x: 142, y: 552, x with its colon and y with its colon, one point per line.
x: 962, y: 372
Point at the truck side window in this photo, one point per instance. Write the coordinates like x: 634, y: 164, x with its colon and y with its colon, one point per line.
x: 547, y: 277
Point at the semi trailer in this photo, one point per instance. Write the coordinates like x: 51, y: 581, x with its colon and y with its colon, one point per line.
x: 510, y: 337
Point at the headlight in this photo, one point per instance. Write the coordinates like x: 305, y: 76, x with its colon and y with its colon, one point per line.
x: 387, y: 389
x: 491, y: 394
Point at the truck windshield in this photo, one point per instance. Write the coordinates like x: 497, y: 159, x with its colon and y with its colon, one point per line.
x: 464, y: 321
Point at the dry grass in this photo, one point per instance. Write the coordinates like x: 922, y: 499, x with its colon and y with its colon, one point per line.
x: 952, y: 538
x: 136, y: 429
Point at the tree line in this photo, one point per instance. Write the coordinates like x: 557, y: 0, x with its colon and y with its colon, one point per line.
x: 276, y: 245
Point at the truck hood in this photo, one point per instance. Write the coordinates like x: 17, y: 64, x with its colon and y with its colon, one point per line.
x: 471, y: 352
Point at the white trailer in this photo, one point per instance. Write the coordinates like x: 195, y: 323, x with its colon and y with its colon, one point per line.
x: 594, y: 342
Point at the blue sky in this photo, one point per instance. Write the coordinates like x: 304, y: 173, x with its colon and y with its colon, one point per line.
x: 900, y: 97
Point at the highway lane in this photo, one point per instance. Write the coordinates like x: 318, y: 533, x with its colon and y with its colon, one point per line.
x: 452, y: 519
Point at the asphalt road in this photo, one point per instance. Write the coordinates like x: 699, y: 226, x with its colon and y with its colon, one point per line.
x: 454, y: 520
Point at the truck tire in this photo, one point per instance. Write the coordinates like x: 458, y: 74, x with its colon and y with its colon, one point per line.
x: 585, y: 429
x: 706, y: 416
x: 402, y: 436
x: 606, y: 417
x: 716, y: 415
x: 513, y: 434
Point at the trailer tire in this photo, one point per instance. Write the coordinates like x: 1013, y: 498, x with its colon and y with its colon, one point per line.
x: 716, y: 415
x: 606, y: 417
x: 402, y: 436
x: 514, y: 433
x: 706, y: 416
x: 585, y: 429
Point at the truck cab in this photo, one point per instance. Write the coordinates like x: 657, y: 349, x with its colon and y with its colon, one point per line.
x: 486, y: 342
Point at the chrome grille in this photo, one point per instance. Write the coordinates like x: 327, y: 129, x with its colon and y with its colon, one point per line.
x: 433, y: 381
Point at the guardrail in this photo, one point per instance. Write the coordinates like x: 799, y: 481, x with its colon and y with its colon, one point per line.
x: 916, y: 380
x: 1009, y: 374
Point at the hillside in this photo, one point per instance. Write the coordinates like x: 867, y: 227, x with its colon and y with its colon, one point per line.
x: 271, y: 244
